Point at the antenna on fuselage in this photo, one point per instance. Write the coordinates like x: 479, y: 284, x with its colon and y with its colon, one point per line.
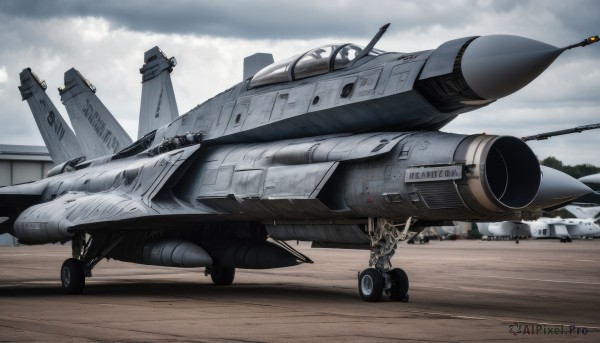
x: 372, y: 43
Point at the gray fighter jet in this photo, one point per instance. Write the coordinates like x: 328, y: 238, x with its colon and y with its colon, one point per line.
x: 338, y: 145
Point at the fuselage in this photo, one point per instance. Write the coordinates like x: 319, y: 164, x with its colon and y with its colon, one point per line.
x: 376, y: 92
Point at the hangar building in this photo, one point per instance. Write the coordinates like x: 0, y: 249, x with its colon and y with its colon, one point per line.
x: 19, y: 164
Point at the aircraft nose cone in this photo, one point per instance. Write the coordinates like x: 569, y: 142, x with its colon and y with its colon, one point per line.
x: 498, y: 65
x: 556, y: 188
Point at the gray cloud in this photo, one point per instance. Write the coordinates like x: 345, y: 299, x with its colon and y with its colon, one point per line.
x: 297, y: 19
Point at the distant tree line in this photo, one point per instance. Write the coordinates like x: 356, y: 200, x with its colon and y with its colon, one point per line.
x: 576, y: 171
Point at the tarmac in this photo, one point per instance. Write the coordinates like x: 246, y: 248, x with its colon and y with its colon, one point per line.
x: 538, y: 290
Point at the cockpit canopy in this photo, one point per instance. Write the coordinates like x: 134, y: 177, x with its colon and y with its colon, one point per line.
x: 314, y: 62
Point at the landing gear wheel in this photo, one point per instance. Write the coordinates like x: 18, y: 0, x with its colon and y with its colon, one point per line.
x: 222, y: 276
x: 370, y: 285
x: 399, y: 289
x: 72, y: 276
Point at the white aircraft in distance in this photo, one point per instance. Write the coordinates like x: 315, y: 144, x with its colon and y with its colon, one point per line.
x: 582, y: 212
x: 508, y: 229
x: 439, y: 232
x: 563, y: 229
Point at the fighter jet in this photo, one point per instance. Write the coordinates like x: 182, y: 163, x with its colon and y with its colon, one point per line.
x: 158, y: 107
x: 58, y: 136
x: 98, y: 132
x: 338, y: 145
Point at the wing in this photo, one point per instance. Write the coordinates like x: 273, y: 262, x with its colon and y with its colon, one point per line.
x: 60, y: 219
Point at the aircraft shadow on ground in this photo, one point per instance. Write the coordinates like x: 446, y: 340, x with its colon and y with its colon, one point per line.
x: 433, y: 306
x: 179, y: 290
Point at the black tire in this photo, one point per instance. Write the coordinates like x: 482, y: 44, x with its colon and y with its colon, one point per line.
x: 72, y: 276
x: 222, y: 276
x: 370, y: 285
x: 399, y: 290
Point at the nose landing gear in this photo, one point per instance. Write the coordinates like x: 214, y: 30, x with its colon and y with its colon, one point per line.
x: 373, y: 282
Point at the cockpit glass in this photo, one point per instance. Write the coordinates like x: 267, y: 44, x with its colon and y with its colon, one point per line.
x: 314, y: 62
x: 345, y: 56
x: 274, y: 73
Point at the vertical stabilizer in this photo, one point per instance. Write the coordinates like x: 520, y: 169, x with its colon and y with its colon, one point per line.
x: 254, y: 63
x: 98, y: 132
x: 58, y: 136
x: 158, y: 106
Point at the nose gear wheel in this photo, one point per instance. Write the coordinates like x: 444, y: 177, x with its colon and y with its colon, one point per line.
x: 373, y: 282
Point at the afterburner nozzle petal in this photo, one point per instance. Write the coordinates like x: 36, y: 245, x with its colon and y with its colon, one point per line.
x: 498, y: 65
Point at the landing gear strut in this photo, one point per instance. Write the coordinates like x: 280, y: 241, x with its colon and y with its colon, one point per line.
x: 373, y: 282
x: 86, y: 254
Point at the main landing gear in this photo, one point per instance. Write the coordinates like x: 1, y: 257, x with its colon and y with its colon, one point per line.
x: 72, y: 276
x: 221, y: 276
x: 373, y: 282
x: 86, y: 255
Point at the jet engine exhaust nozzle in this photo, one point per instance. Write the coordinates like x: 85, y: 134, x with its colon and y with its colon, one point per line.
x: 502, y: 172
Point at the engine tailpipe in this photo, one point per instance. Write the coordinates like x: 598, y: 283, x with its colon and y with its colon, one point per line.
x: 502, y: 173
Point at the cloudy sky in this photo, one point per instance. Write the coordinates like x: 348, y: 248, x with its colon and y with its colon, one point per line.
x: 106, y: 40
